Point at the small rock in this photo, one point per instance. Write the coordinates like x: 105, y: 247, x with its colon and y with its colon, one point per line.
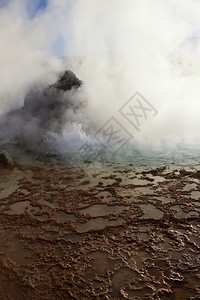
x: 6, y: 159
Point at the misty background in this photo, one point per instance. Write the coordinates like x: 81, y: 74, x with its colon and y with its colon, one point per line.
x: 116, y: 48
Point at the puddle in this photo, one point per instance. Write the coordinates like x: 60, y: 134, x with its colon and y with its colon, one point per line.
x: 97, y: 224
x: 158, y: 179
x: 150, y: 211
x: 43, y: 217
x: 49, y: 235
x: 9, y: 182
x: 8, y: 190
x: 47, y: 203
x: 165, y: 200
x: 196, y: 203
x: 195, y: 195
x: 143, y: 191
x: 102, y: 210
x: 189, y: 186
x: 62, y: 216
x: 22, y: 207
x: 73, y: 237
x: 155, y: 179
x: 135, y: 181
x: 180, y: 214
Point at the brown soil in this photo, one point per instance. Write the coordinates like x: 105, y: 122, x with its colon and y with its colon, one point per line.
x: 116, y: 233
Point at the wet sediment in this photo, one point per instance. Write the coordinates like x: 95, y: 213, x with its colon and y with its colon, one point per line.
x: 117, y: 233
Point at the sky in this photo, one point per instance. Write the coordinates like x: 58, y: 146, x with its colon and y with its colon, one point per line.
x: 32, y: 6
x: 36, y: 11
x: 37, y: 7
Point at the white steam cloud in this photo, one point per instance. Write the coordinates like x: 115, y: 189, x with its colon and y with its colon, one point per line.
x: 117, y: 48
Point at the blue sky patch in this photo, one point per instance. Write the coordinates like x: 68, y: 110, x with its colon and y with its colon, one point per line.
x: 35, y: 6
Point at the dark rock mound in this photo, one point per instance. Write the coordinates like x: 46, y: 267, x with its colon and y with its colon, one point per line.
x: 67, y: 81
x: 53, y: 100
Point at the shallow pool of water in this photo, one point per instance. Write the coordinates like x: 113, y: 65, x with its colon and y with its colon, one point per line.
x: 150, y: 211
x: 102, y: 210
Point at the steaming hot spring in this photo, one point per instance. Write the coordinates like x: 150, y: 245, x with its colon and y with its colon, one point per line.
x: 40, y: 120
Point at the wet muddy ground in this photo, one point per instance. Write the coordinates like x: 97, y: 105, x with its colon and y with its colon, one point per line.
x: 116, y: 232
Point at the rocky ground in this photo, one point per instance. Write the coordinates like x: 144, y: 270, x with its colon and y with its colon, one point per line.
x: 108, y: 231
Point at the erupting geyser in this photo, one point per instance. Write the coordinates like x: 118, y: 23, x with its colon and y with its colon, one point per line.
x: 45, y: 110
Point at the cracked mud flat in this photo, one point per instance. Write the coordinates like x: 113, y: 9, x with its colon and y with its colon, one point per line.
x: 120, y: 233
